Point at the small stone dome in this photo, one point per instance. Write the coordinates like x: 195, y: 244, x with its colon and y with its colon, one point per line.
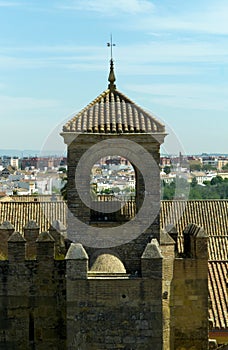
x: 108, y: 263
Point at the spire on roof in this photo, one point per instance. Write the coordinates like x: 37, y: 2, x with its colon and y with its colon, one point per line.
x: 111, y: 77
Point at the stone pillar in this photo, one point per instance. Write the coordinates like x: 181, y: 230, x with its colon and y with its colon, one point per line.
x: 16, y: 248
x: 151, y: 261
x: 58, y: 232
x: 201, y: 247
x: 76, y: 272
x: 168, y: 253
x: 172, y: 231
x: 151, y: 269
x: 17, y: 298
x: 45, y: 246
x: 189, y: 298
x: 77, y: 262
x: 31, y: 232
x: 49, y: 318
x: 6, y: 230
x: 195, y: 242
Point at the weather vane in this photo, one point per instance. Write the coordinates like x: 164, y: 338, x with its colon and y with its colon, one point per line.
x: 110, y: 44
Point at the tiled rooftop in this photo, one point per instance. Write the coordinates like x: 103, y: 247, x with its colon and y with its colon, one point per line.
x: 44, y: 213
x: 212, y: 215
x: 35, y: 198
x: 113, y: 112
x: 218, y: 279
x: 209, y: 214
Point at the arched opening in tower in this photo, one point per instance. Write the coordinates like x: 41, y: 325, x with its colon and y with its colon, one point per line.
x: 113, y: 181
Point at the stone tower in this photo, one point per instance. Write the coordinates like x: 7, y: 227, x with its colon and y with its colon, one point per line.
x: 114, y: 125
x: 129, y: 285
x: 114, y: 266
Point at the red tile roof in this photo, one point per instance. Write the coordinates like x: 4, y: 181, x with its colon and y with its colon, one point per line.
x: 113, y: 112
x: 218, y: 279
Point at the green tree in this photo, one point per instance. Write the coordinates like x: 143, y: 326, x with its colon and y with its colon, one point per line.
x: 63, y: 170
x: 208, y: 167
x: 116, y: 189
x: 55, y: 190
x: 194, y: 182
x: 180, y: 189
x: 168, y: 190
x: 225, y: 167
x: 167, y: 169
x: 195, y: 166
x: 216, y: 180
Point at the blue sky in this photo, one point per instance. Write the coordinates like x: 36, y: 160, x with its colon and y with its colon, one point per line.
x: 170, y: 58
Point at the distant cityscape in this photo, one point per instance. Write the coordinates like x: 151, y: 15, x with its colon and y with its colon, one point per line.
x: 113, y: 176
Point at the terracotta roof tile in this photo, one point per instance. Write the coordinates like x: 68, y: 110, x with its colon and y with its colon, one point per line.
x: 212, y: 215
x: 113, y: 112
x: 43, y: 213
x: 218, y: 279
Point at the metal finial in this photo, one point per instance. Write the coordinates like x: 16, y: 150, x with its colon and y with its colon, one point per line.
x: 111, y: 77
x: 110, y: 44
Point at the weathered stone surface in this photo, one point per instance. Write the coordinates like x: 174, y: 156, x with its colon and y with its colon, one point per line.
x: 152, y: 251
x: 76, y: 252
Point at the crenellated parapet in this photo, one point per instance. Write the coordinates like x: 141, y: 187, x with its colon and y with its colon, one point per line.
x: 76, y: 262
x: 168, y: 245
x: 45, y: 246
x: 31, y: 244
x: 16, y: 247
x: 32, y: 290
x: 151, y: 261
x: 195, y: 242
x: 6, y: 230
x: 58, y: 231
x: 31, y: 233
x: 189, y: 292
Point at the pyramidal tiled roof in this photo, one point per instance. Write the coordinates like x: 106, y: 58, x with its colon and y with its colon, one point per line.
x: 113, y: 112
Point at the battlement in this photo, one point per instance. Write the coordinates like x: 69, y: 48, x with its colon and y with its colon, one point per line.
x: 32, y: 289
x: 189, y: 291
x: 195, y: 242
x: 31, y: 244
x: 48, y: 290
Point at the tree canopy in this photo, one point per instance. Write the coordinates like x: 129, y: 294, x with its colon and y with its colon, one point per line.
x: 217, y: 188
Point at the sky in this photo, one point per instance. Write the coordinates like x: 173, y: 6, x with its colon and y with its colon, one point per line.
x: 170, y: 58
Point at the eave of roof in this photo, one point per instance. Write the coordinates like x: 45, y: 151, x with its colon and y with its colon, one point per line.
x: 113, y: 113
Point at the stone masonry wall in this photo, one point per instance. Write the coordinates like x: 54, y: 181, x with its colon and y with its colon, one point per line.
x: 114, y: 311
x: 131, y: 252
x: 189, y: 294
x: 32, y: 297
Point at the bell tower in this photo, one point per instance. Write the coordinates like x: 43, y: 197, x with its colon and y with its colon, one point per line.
x: 114, y: 264
x: 110, y: 125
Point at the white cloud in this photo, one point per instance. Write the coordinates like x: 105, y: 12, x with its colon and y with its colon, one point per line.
x: 110, y: 7
x: 9, y: 4
x: 188, y: 96
x: 10, y: 104
x: 175, y: 52
x: 211, y: 19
